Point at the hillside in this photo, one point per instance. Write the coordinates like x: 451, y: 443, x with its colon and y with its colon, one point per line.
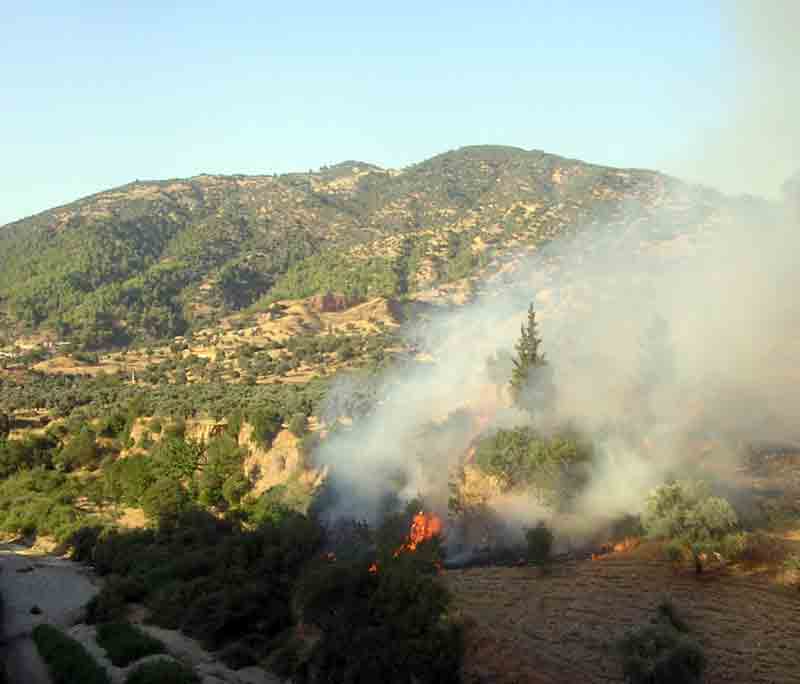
x: 153, y: 259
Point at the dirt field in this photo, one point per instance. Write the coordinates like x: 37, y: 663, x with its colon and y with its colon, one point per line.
x: 525, y: 627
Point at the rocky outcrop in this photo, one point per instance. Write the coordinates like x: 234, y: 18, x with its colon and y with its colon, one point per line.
x: 331, y: 303
x: 283, y: 462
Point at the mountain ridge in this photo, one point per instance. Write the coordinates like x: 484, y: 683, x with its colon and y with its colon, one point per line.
x: 150, y: 259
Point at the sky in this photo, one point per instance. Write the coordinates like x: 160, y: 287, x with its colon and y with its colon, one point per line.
x: 98, y: 94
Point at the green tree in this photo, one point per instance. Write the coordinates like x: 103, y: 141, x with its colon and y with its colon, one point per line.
x: 176, y: 458
x: 299, y: 424
x: 81, y: 451
x: 686, y: 513
x: 529, y: 382
x: 165, y: 501
x: 267, y: 423
x: 223, y: 460
x: 540, y: 543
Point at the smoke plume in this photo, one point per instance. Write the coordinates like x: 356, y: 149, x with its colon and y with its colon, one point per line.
x: 755, y: 146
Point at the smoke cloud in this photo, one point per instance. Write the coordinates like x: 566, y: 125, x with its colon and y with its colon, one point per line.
x: 672, y: 335
x: 755, y: 147
x: 659, y: 347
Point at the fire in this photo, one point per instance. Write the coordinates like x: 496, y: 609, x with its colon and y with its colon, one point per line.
x: 608, y: 548
x: 373, y: 568
x: 424, y: 526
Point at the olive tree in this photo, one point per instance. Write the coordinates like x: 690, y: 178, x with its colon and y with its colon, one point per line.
x: 686, y: 513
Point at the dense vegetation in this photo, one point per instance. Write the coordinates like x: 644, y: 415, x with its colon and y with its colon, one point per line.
x: 237, y: 586
x: 151, y: 260
x: 67, y: 660
x: 553, y: 468
x: 125, y: 644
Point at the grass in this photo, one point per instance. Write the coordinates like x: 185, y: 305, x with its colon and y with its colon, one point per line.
x: 67, y: 660
x: 125, y: 644
x: 162, y: 672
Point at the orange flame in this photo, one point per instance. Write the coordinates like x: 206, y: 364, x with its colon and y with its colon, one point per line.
x: 373, y: 568
x: 424, y: 526
x: 609, y: 547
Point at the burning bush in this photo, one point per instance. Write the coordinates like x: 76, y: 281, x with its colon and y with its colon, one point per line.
x: 413, y: 537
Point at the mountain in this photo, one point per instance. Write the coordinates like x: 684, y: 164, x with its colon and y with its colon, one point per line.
x: 151, y: 259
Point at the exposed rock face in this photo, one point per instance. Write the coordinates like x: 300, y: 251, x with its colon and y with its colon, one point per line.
x: 330, y: 303
x: 282, y: 462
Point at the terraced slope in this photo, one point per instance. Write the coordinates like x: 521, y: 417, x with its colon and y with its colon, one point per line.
x: 560, y: 629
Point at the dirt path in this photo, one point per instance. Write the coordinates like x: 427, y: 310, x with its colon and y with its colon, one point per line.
x: 561, y: 628
x: 57, y: 586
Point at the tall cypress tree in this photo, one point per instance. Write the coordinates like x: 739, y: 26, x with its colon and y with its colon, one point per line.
x: 529, y: 357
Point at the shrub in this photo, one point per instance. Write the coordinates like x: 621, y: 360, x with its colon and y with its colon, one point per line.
x: 686, y: 513
x: 674, y: 551
x: 553, y: 468
x: 176, y: 429
x: 298, y: 425
x: 128, y: 479
x: 540, y: 543
x: 662, y: 652
x: 67, y: 660
x: 223, y: 462
x: 125, y: 644
x: 165, y: 501
x: 32, y: 452
x: 266, y: 425
x: 80, y: 452
x: 393, y: 621
x: 105, y: 606
x: 162, y: 672
x: 234, y: 425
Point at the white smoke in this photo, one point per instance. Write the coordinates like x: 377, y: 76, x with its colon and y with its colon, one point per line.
x: 726, y: 366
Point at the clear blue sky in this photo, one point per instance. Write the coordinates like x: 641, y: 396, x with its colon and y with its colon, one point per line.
x: 96, y: 94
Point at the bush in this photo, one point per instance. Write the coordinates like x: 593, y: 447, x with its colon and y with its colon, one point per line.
x: 223, y: 462
x: 176, y: 429
x: 162, y: 672
x: 686, y: 513
x: 266, y: 425
x: 32, y: 452
x: 80, y: 452
x: 553, y: 468
x: 125, y: 644
x: 67, y: 660
x: 540, y: 544
x: 662, y: 652
x: 390, y: 623
x: 165, y: 501
x: 298, y: 425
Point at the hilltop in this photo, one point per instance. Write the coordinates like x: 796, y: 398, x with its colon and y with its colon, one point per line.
x: 152, y: 260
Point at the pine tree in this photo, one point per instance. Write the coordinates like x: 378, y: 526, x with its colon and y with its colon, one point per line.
x: 528, y: 359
